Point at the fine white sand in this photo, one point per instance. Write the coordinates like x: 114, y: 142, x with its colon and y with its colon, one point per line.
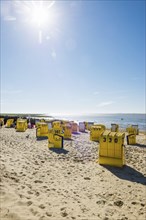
x: 41, y: 184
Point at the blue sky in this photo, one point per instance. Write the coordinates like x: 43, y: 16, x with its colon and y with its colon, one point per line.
x: 73, y: 57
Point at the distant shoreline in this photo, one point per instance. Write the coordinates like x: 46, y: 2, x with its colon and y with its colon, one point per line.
x: 23, y: 115
x: 71, y: 114
x: 122, y: 119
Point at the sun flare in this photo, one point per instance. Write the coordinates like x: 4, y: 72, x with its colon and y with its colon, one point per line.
x: 39, y: 15
x: 37, y: 12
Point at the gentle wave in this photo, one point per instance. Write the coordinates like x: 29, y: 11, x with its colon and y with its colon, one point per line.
x: 123, y: 120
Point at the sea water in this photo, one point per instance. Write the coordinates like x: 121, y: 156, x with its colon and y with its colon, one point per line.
x: 123, y: 120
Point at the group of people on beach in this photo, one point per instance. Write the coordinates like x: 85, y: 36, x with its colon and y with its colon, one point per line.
x: 31, y: 122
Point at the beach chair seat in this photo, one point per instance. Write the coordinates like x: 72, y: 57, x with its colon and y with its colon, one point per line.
x: 131, y: 139
x: 21, y: 125
x: 74, y: 127
x: 9, y: 123
x: 42, y: 129
x: 95, y: 132
x: 2, y: 121
x: 114, y: 127
x: 111, y: 149
x: 89, y: 125
x: 55, y: 140
x: 67, y: 131
x: 136, y: 128
x: 82, y: 127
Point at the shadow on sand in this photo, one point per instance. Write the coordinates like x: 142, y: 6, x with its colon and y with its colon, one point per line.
x: 41, y: 138
x: 68, y: 139
x: 127, y: 173
x: 76, y: 133
x: 141, y: 145
x: 84, y: 132
x: 59, y: 150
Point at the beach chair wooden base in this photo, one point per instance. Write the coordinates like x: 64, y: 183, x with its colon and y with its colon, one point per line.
x: 111, y: 161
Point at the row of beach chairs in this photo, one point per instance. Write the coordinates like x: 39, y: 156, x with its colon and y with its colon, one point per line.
x: 111, y: 142
x: 66, y: 128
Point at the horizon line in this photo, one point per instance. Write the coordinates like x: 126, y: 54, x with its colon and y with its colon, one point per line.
x: 64, y: 114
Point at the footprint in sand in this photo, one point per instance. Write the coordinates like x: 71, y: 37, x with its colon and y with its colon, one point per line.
x: 87, y: 178
x: 48, y: 214
x: 29, y: 203
x: 64, y: 214
x: 41, y: 206
x: 33, y: 211
x: 29, y: 192
x: 63, y: 208
x: 119, y: 203
x: 37, y: 193
x: 133, y: 203
x: 38, y: 181
x: 101, y: 202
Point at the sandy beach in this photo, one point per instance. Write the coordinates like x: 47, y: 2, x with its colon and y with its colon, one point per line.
x: 39, y: 184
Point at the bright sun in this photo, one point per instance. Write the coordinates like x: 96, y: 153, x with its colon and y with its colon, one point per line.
x: 39, y: 15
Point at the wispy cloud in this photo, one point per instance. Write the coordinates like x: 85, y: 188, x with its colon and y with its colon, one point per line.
x: 53, y: 54
x: 96, y: 93
x: 6, y: 11
x: 11, y: 92
x: 9, y: 18
x: 102, y: 104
